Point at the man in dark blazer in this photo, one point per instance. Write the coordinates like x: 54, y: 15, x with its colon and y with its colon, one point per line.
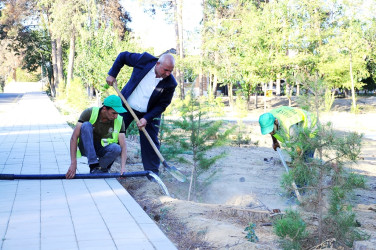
x: 149, y: 91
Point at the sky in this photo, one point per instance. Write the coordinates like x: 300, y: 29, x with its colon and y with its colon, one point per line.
x: 155, y: 32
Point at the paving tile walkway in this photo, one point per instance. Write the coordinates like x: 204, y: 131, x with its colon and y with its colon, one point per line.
x: 60, y: 214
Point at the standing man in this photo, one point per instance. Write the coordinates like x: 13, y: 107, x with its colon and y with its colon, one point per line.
x: 285, y: 122
x: 100, y: 136
x: 148, y: 92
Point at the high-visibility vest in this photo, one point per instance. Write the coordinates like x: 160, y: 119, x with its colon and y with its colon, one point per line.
x: 288, y: 116
x: 115, y: 134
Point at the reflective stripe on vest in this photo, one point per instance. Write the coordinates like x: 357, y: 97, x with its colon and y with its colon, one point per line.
x: 115, y: 134
x: 288, y: 116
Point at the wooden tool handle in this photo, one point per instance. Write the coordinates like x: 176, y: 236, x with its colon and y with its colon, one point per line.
x: 137, y: 120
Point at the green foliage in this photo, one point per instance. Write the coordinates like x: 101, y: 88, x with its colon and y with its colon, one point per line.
x: 241, y: 110
x: 76, y: 95
x: 354, y: 180
x: 241, y: 136
x: 132, y: 129
x: 195, y: 134
x: 170, y: 141
x: 314, y: 90
x: 96, y: 54
x: 251, y: 233
x: 291, y: 229
x: 329, y: 100
x: 341, y: 221
x: 355, y: 109
x: 252, y: 41
x: 326, y: 171
x: 241, y: 105
x: 25, y: 76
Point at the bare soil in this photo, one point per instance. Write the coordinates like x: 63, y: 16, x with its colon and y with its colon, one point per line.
x: 246, y: 188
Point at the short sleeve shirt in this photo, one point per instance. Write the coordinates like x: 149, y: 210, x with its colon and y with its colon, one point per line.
x: 101, y: 130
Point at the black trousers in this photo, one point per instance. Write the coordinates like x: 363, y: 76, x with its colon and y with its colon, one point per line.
x: 150, y: 159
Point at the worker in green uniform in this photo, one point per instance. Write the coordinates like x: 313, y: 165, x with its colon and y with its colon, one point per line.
x: 286, y: 122
x: 100, y: 136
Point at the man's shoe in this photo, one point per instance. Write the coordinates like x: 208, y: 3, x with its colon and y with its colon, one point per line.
x: 98, y: 170
x: 94, y: 168
x: 104, y: 170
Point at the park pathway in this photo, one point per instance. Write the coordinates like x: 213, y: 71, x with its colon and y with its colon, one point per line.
x: 60, y: 214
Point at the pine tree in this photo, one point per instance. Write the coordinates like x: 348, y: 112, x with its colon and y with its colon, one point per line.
x: 195, y: 134
x: 325, y: 178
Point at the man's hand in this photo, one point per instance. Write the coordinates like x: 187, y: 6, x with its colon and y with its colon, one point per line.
x: 111, y: 80
x: 71, y: 171
x: 276, y: 145
x: 142, y: 123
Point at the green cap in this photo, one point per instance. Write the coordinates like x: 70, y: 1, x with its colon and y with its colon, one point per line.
x: 113, y: 101
x: 266, y: 123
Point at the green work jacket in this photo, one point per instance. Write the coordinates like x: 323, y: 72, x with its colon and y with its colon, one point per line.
x: 289, y: 116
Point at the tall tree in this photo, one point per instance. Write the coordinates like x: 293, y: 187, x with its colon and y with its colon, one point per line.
x: 12, y: 24
x: 172, y: 8
x: 112, y: 13
x: 178, y: 17
x: 353, y: 46
x: 46, y: 9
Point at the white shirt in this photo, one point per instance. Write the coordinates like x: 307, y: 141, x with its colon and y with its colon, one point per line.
x: 139, y: 98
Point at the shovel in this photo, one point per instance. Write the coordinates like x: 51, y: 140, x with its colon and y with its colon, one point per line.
x: 171, y: 169
x: 287, y: 170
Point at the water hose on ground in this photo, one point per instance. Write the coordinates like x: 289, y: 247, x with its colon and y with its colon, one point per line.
x: 85, y: 176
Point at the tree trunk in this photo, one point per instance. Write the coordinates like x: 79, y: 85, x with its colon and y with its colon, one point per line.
x: 264, y: 97
x: 59, y: 61
x: 190, y: 190
x: 54, y: 62
x: 72, y: 49
x: 179, y: 43
x: 210, y: 87
x: 288, y: 93
x: 216, y: 55
x: 271, y: 85
x: 215, y: 83
x: 201, y: 83
x: 230, y: 96
x: 49, y: 76
x: 54, y: 67
x: 278, y: 85
x: 297, y: 88
x: 320, y: 199
x: 352, y: 86
x: 14, y: 75
x: 202, y: 53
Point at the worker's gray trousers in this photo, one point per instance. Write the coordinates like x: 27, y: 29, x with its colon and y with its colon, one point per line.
x: 94, y: 149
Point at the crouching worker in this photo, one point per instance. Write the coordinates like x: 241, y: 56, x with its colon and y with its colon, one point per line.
x: 287, y: 122
x: 100, y: 136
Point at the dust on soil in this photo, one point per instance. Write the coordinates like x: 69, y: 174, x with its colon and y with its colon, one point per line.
x: 246, y: 188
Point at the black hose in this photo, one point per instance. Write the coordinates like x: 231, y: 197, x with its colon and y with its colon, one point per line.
x: 77, y: 176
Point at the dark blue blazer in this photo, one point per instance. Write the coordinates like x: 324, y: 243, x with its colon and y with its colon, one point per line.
x: 142, y: 64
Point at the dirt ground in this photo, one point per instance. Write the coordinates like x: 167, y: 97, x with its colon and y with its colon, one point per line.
x: 246, y: 188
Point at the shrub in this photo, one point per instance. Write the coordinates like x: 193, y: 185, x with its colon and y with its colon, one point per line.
x: 76, y: 95
x: 291, y: 229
